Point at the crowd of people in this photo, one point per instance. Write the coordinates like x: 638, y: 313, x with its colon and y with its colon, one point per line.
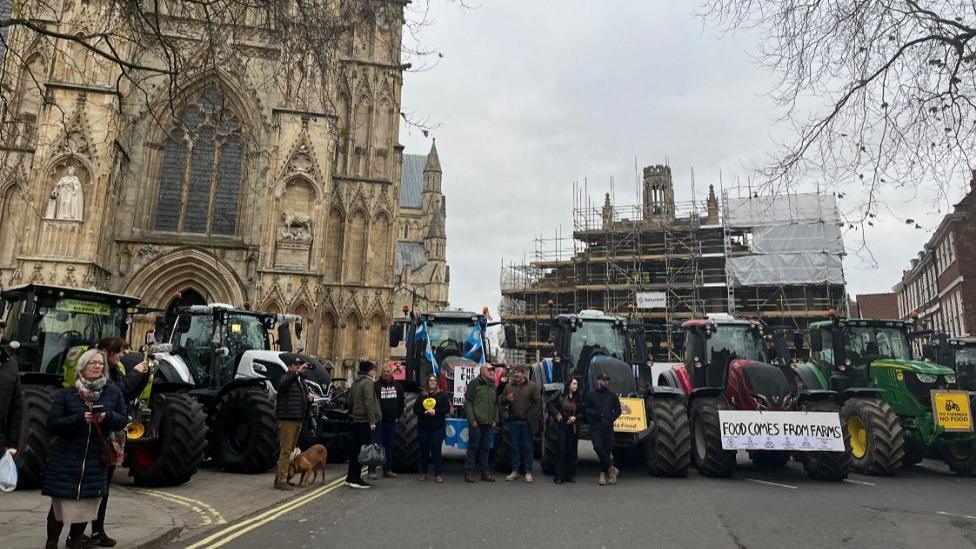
x: 376, y: 402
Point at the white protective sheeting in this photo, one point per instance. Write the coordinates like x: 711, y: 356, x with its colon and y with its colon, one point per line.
x: 782, y: 210
x: 798, y: 238
x: 776, y: 269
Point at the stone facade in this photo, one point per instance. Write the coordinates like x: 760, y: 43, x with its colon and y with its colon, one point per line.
x: 251, y: 190
x: 422, y: 273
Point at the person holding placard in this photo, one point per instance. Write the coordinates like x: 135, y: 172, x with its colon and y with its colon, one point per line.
x: 431, y: 409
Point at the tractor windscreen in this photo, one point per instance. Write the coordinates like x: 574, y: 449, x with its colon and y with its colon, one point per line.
x: 449, y: 339
x: 966, y: 366
x: 869, y: 343
x: 621, y: 376
x: 736, y: 341
x: 72, y: 322
x: 605, y: 334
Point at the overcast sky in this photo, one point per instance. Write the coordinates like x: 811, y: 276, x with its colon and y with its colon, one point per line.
x: 531, y: 96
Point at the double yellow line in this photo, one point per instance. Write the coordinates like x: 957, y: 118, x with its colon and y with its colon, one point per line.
x: 236, y: 530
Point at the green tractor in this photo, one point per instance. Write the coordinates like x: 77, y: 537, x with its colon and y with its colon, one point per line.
x: 887, y: 395
x: 958, y: 353
x: 45, y: 330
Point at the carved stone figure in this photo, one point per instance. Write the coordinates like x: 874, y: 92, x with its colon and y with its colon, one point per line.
x: 295, y: 227
x: 66, y: 202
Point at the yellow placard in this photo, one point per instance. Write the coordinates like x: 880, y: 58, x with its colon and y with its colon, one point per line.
x: 633, y: 416
x: 429, y: 403
x: 235, y: 328
x: 952, y: 412
x: 85, y: 307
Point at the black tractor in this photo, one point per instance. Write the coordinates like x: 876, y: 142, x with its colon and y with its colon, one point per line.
x: 224, y: 356
x: 592, y: 343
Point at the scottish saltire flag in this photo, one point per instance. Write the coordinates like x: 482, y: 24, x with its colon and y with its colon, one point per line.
x: 423, y: 336
x: 474, y: 345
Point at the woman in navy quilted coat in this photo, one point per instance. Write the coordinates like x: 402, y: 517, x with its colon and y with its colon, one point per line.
x: 76, y: 475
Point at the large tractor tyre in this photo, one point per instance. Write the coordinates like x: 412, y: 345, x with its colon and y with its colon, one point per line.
x: 667, y: 449
x: 244, y: 432
x: 877, y: 440
x: 173, y: 456
x: 710, y: 459
x: 550, y: 447
x: 961, y: 458
x: 406, y: 443
x: 833, y: 466
x: 503, y: 450
x: 771, y: 459
x: 35, y: 443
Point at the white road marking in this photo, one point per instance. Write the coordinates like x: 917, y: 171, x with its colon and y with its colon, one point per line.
x: 943, y: 513
x: 757, y: 481
x: 847, y: 480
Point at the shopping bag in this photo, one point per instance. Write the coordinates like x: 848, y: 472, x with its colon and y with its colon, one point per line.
x: 372, y: 455
x: 8, y: 472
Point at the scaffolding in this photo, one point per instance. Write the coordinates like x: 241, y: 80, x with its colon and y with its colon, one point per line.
x: 680, y: 249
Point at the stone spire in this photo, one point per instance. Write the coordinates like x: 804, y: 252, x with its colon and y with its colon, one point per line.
x: 712, y: 206
x: 433, y: 162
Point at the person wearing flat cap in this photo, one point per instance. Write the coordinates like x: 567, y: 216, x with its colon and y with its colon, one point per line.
x: 602, y: 409
x: 290, y: 409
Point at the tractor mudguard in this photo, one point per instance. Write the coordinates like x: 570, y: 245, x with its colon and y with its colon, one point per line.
x: 865, y: 392
x: 810, y: 377
x: 700, y: 392
x: 38, y: 378
x: 816, y: 395
x: 159, y: 387
x: 241, y: 382
x: 666, y: 392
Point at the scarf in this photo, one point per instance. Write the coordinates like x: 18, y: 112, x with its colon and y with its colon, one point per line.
x: 90, y: 391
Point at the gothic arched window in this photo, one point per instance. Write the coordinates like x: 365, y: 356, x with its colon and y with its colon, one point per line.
x: 200, y: 181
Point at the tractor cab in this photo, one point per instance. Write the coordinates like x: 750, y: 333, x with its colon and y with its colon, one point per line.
x: 733, y: 356
x: 213, y: 339
x: 958, y: 353
x: 592, y: 342
x: 865, y: 352
x: 43, y: 323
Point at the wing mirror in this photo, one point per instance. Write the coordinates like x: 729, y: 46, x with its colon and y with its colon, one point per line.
x: 816, y: 341
x: 396, y: 335
x: 511, y: 340
x: 544, y: 332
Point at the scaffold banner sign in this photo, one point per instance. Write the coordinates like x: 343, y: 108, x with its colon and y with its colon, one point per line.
x: 652, y: 300
x: 789, y: 431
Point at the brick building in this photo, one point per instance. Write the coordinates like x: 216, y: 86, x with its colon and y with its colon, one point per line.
x: 940, y: 284
x: 883, y: 305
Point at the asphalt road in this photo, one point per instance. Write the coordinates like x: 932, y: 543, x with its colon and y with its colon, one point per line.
x: 923, y: 506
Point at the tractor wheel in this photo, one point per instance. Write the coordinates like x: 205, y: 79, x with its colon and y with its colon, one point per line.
x: 244, y: 431
x: 35, y: 443
x: 550, y: 447
x: 961, y: 458
x: 769, y: 459
x: 667, y: 449
x: 172, y: 457
x: 503, y: 450
x: 828, y: 465
x: 877, y: 441
x: 406, y: 443
x: 710, y: 459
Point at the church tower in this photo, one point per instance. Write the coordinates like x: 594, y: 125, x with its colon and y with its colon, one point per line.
x: 658, y: 195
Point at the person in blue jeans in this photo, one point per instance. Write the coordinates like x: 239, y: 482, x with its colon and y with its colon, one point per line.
x: 523, y: 399
x: 390, y: 395
x: 431, y: 408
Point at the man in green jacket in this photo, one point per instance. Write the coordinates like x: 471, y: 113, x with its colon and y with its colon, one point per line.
x: 365, y: 415
x: 481, y: 409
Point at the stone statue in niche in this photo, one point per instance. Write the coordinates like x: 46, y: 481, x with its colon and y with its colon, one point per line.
x: 67, y: 201
x: 295, y: 227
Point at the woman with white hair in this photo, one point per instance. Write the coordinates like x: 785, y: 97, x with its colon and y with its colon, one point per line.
x: 76, y: 471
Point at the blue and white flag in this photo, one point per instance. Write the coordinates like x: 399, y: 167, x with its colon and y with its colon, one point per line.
x: 422, y: 336
x: 475, y: 345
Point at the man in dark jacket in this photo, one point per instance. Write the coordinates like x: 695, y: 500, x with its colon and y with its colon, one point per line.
x: 11, y: 402
x: 390, y: 394
x: 523, y: 400
x: 290, y: 409
x: 481, y: 409
x: 602, y: 409
x: 365, y: 415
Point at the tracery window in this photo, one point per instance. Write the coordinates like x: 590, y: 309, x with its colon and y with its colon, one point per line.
x: 200, y: 179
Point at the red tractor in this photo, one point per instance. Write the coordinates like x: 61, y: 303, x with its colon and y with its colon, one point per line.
x: 729, y: 366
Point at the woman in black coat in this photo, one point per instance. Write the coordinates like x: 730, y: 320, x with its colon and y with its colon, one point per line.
x: 431, y: 408
x: 566, y: 409
x: 76, y: 475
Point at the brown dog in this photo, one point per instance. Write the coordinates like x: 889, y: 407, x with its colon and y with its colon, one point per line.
x: 309, y: 462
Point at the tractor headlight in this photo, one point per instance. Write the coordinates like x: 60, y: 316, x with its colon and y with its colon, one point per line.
x: 927, y: 378
x: 951, y: 378
x: 761, y: 402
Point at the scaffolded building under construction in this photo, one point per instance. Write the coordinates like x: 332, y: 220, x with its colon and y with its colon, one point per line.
x: 775, y: 258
